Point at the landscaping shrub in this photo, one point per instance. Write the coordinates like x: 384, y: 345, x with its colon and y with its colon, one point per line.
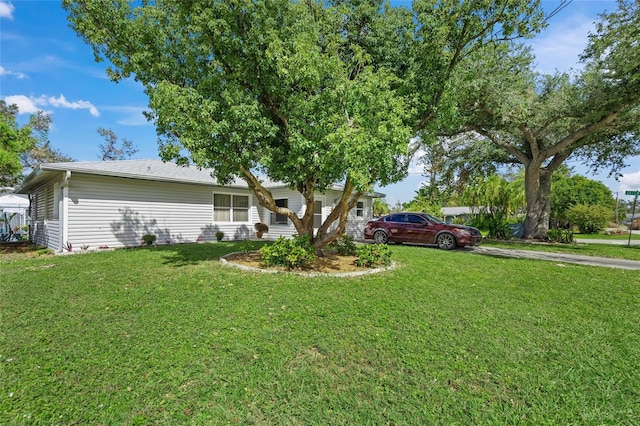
x: 589, y: 219
x: 498, y: 226
x: 499, y: 229
x: 292, y: 253
x: 564, y: 236
x: 373, y: 255
x: 344, y: 246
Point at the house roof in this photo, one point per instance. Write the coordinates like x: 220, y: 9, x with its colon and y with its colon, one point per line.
x: 156, y: 170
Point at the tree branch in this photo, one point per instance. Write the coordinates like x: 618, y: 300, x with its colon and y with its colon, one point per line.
x: 531, y: 139
x: 583, y: 132
x: 265, y: 199
x: 521, y: 156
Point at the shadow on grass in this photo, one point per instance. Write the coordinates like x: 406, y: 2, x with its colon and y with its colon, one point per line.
x: 194, y: 253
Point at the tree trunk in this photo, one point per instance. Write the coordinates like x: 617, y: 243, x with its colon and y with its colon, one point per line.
x: 340, y: 212
x: 538, y: 195
x: 304, y: 225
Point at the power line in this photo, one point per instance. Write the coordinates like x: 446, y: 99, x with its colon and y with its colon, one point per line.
x: 563, y: 4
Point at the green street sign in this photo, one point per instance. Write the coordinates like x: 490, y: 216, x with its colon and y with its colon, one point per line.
x: 632, y: 193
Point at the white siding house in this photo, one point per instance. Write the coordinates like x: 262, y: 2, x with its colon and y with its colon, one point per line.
x: 114, y: 203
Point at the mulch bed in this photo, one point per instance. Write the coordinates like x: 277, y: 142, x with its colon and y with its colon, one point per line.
x: 331, y: 263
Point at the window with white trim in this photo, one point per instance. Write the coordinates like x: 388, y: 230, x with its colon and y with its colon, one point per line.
x: 360, y: 209
x: 317, y: 213
x: 280, y: 219
x: 56, y: 200
x: 51, y: 200
x: 230, y: 208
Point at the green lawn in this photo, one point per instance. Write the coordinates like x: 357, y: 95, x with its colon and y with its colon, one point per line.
x: 167, y: 335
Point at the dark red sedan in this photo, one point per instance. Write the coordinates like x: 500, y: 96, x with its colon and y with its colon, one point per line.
x: 420, y: 228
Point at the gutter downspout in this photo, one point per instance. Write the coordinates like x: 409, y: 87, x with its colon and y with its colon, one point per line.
x: 63, y: 210
x: 30, y: 228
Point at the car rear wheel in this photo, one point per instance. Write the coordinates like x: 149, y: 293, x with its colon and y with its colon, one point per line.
x: 446, y: 241
x: 380, y: 237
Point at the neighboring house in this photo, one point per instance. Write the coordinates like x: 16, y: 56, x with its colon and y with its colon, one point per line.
x: 633, y: 222
x: 13, y: 211
x: 114, y: 203
x: 458, y: 214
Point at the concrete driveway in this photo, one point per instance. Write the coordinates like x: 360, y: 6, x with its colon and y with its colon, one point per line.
x: 615, y: 242
x: 558, y: 257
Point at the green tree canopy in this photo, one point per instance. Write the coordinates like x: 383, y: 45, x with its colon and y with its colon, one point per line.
x: 380, y: 207
x: 23, y: 147
x: 496, y: 196
x: 570, y: 190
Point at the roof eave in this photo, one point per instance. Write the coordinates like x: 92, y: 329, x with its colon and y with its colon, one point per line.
x: 26, y: 184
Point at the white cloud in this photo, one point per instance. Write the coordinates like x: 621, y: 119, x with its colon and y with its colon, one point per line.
x: 416, y: 166
x: 559, y: 47
x: 630, y: 181
x: 25, y: 105
x: 4, y: 71
x: 31, y: 105
x: 63, y: 103
x: 6, y: 10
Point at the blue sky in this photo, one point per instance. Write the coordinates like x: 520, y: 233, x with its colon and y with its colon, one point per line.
x: 45, y: 66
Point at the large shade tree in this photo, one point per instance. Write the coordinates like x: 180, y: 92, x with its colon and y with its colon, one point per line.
x: 540, y: 121
x: 313, y: 94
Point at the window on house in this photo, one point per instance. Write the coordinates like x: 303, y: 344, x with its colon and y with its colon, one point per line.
x: 51, y: 198
x: 56, y: 200
x: 317, y: 214
x: 230, y: 208
x: 240, y: 208
x: 280, y: 219
x: 360, y: 209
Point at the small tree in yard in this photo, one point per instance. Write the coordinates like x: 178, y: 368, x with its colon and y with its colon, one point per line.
x: 251, y: 88
x: 307, y: 93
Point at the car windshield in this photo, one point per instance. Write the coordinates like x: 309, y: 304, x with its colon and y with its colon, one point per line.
x: 435, y: 219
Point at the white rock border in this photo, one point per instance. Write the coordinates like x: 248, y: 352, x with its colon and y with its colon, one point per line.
x: 225, y: 262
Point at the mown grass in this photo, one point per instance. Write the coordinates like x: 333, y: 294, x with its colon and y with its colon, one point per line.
x: 599, y: 250
x: 167, y: 335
